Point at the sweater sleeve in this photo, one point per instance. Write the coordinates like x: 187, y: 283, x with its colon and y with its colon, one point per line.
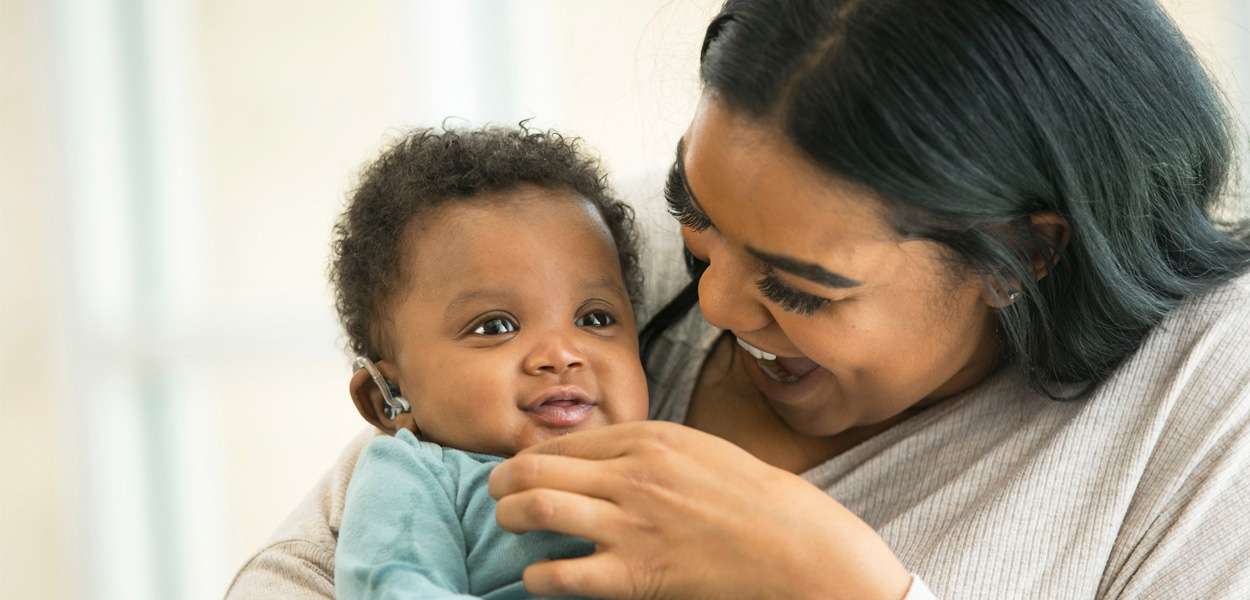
x: 401, y: 535
x: 918, y: 590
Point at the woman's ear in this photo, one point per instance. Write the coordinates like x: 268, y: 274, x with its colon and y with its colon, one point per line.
x: 1054, y: 232
x: 369, y: 403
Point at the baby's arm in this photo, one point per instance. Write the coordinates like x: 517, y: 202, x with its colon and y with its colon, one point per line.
x: 401, y: 537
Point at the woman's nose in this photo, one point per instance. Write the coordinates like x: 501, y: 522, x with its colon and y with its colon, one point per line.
x: 728, y: 295
x: 554, y: 353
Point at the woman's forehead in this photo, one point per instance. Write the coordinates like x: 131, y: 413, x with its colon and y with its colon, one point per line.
x: 759, y: 190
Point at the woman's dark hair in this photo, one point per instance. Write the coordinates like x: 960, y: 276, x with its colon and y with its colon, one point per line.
x: 967, y: 116
x: 428, y: 168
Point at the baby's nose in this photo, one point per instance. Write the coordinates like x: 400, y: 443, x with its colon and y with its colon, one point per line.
x: 554, y: 354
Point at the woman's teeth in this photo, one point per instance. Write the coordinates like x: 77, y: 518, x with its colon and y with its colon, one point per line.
x: 768, y: 364
x: 756, y: 352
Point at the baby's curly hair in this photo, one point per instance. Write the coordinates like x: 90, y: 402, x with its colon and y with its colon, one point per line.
x: 428, y: 168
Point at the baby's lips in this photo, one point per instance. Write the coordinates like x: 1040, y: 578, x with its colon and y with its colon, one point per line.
x: 563, y: 408
x: 570, y: 394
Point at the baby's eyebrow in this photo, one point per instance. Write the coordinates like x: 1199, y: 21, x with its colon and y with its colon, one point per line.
x: 475, y: 295
x: 607, y: 284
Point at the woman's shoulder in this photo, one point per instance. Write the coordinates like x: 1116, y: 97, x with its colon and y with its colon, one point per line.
x: 1192, y: 369
x: 1193, y: 378
x: 1205, y: 339
x: 1224, y: 304
x: 1196, y: 362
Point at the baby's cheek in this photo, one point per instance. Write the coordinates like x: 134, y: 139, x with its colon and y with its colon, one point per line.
x: 644, y: 399
x: 635, y: 406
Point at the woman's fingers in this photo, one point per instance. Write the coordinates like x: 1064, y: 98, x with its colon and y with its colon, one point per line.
x: 612, y: 441
x: 530, y: 471
x: 554, y: 510
x: 597, y: 576
x: 600, y: 443
x: 663, y: 502
x: 597, y: 462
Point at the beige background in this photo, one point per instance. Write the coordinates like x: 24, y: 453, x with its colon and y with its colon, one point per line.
x: 171, y: 375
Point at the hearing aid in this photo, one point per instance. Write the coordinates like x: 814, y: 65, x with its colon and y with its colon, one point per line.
x: 395, y: 404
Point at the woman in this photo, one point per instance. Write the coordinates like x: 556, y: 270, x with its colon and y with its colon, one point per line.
x: 988, y: 336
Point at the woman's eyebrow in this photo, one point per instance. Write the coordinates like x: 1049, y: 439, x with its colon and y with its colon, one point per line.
x: 809, y: 271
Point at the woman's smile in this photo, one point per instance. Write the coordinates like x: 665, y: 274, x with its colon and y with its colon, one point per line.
x: 783, y: 369
x: 775, y: 379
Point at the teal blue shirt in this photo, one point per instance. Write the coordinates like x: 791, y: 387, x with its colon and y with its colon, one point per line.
x: 419, y: 523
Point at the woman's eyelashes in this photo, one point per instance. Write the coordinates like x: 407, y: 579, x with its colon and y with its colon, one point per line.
x: 680, y: 204
x: 788, y: 298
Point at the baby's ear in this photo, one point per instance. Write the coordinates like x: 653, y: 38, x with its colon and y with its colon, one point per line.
x: 369, y: 402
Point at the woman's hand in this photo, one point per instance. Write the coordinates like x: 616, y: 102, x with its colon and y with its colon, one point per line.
x: 678, y: 513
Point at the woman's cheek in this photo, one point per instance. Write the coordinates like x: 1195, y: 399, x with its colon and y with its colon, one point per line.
x: 811, y: 336
x: 839, y: 337
x: 697, y: 243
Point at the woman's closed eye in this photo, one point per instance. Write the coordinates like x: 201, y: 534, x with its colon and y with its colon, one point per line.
x: 496, y: 326
x: 679, y: 203
x: 788, y: 298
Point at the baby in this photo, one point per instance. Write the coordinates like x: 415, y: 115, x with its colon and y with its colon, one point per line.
x: 486, y: 280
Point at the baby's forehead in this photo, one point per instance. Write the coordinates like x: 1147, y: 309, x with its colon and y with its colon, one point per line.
x: 522, y: 198
x: 509, y: 235
x: 458, y: 220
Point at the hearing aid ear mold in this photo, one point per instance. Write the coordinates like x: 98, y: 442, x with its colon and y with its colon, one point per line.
x: 395, y: 404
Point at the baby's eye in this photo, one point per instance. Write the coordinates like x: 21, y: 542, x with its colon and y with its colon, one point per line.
x: 594, y: 319
x: 495, y: 326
